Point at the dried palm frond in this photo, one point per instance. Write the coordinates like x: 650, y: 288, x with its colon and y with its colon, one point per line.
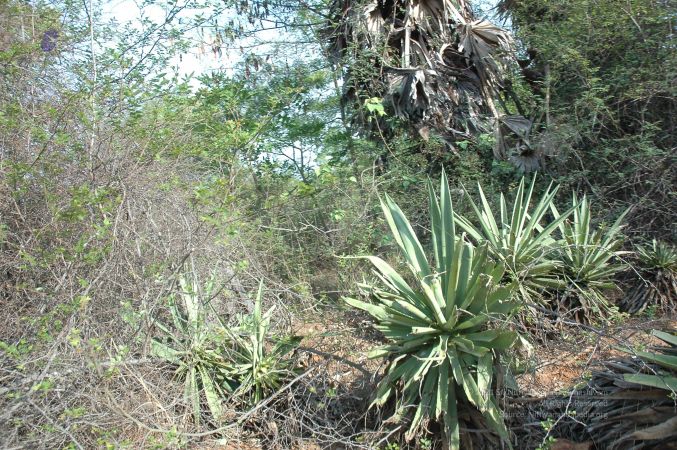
x: 408, y: 94
x: 432, y: 14
x: 480, y: 42
x: 513, y: 142
x: 374, y: 18
x: 658, y: 283
x: 434, y: 64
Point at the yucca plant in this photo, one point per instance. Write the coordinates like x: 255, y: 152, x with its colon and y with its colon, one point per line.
x: 442, y: 349
x: 519, y: 238
x: 217, y: 360
x: 658, y: 283
x: 259, y: 368
x: 195, y: 346
x: 589, y: 261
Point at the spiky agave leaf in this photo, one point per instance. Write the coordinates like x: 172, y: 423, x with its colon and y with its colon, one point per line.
x: 255, y: 369
x: 441, y: 347
x: 480, y: 43
x: 664, y: 377
x: 587, y: 252
x: 658, y: 371
x: 215, y: 359
x: 660, y: 255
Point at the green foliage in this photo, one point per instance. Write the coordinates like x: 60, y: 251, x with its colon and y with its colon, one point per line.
x: 519, y: 238
x: 18, y: 350
x: 259, y: 370
x: 587, y: 253
x: 113, y: 168
x: 581, y: 263
x: 589, y: 260
x: 656, y: 288
x: 659, y: 255
x: 215, y: 359
x: 374, y: 105
x: 606, y: 98
x: 441, y: 349
x: 196, y: 348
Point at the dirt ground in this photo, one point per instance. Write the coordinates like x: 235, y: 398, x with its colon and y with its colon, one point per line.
x: 339, y: 344
x: 564, y: 360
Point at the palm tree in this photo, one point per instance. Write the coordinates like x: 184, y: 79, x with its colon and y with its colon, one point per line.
x: 433, y: 63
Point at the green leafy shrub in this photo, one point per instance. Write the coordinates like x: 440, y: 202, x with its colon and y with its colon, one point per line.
x: 441, y: 349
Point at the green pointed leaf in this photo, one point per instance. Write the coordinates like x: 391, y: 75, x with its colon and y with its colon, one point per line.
x: 441, y: 402
x: 451, y: 426
x: 472, y: 392
x: 191, y: 393
x: 667, y: 361
x: 377, y: 312
x: 213, y: 398
x: 665, y: 337
x: 668, y: 382
x: 485, y: 372
x: 165, y: 352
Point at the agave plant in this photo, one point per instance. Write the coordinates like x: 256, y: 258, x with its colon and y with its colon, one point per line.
x: 519, y: 239
x: 441, y: 350
x: 658, y: 286
x: 215, y: 359
x: 258, y: 369
x: 660, y: 255
x: 588, y: 260
x: 194, y: 346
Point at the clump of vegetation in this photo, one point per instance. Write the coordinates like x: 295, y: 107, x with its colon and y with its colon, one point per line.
x: 195, y: 347
x: 569, y: 273
x: 217, y: 361
x: 118, y: 166
x: 258, y: 362
x: 589, y: 259
x: 657, y: 286
x: 444, y: 333
x: 520, y: 238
